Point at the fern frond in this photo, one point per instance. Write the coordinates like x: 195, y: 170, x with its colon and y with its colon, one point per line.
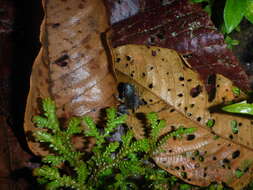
x: 50, y: 112
x: 47, y: 172
x: 53, y: 160
x: 126, y: 139
x: 82, y: 172
x: 112, y: 147
x: 92, y: 128
x: 157, y: 129
x: 74, y: 126
x: 40, y: 122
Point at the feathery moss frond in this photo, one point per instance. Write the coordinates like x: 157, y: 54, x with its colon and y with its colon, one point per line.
x: 111, y: 164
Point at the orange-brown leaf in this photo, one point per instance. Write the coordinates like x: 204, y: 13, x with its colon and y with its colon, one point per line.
x: 72, y: 66
x: 176, y: 93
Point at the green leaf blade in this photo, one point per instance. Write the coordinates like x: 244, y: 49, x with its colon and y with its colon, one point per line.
x: 241, y: 108
x: 249, y: 12
x: 233, y: 13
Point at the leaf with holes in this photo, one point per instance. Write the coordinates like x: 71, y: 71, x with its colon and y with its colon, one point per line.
x: 186, y: 28
x: 169, y: 87
x: 72, y: 66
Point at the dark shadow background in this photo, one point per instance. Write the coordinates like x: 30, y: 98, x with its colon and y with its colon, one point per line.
x: 18, y: 49
x: 28, y: 17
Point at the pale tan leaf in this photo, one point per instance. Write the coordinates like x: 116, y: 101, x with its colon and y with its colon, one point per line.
x: 72, y: 66
x: 167, y: 85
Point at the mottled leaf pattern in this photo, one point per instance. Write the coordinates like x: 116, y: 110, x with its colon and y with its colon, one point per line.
x: 72, y: 65
x: 186, y: 28
x: 169, y: 87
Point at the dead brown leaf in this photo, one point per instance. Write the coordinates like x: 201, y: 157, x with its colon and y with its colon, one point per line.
x: 72, y: 66
x: 177, y: 94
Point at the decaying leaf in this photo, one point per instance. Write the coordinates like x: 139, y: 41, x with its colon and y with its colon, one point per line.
x: 216, y: 151
x: 186, y: 28
x: 72, y: 66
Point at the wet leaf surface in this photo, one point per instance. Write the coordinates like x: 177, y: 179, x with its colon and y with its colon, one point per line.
x: 72, y: 66
x: 214, y: 152
x: 186, y: 28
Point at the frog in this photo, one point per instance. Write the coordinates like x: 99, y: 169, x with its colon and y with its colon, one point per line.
x: 128, y: 98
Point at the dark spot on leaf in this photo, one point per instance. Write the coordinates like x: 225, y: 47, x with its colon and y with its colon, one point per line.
x: 196, y: 153
x: 214, y: 158
x: 128, y: 58
x: 189, y: 80
x: 231, y: 136
x: 192, y: 105
x: 62, y: 61
x: 118, y: 59
x: 144, y: 101
x: 226, y: 161
x: 190, y: 137
x: 172, y: 110
x: 211, y: 81
x: 199, y: 119
x: 181, y: 78
x: 184, y: 175
x: 180, y: 95
x: 189, y: 114
x: 150, y: 86
x: 177, y: 168
x: 201, y: 158
x: 196, y: 91
x: 185, y: 108
x: 56, y: 25
x: 153, y: 53
x: 236, y: 154
x: 143, y: 74
x: 151, y: 68
x: 205, y: 175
